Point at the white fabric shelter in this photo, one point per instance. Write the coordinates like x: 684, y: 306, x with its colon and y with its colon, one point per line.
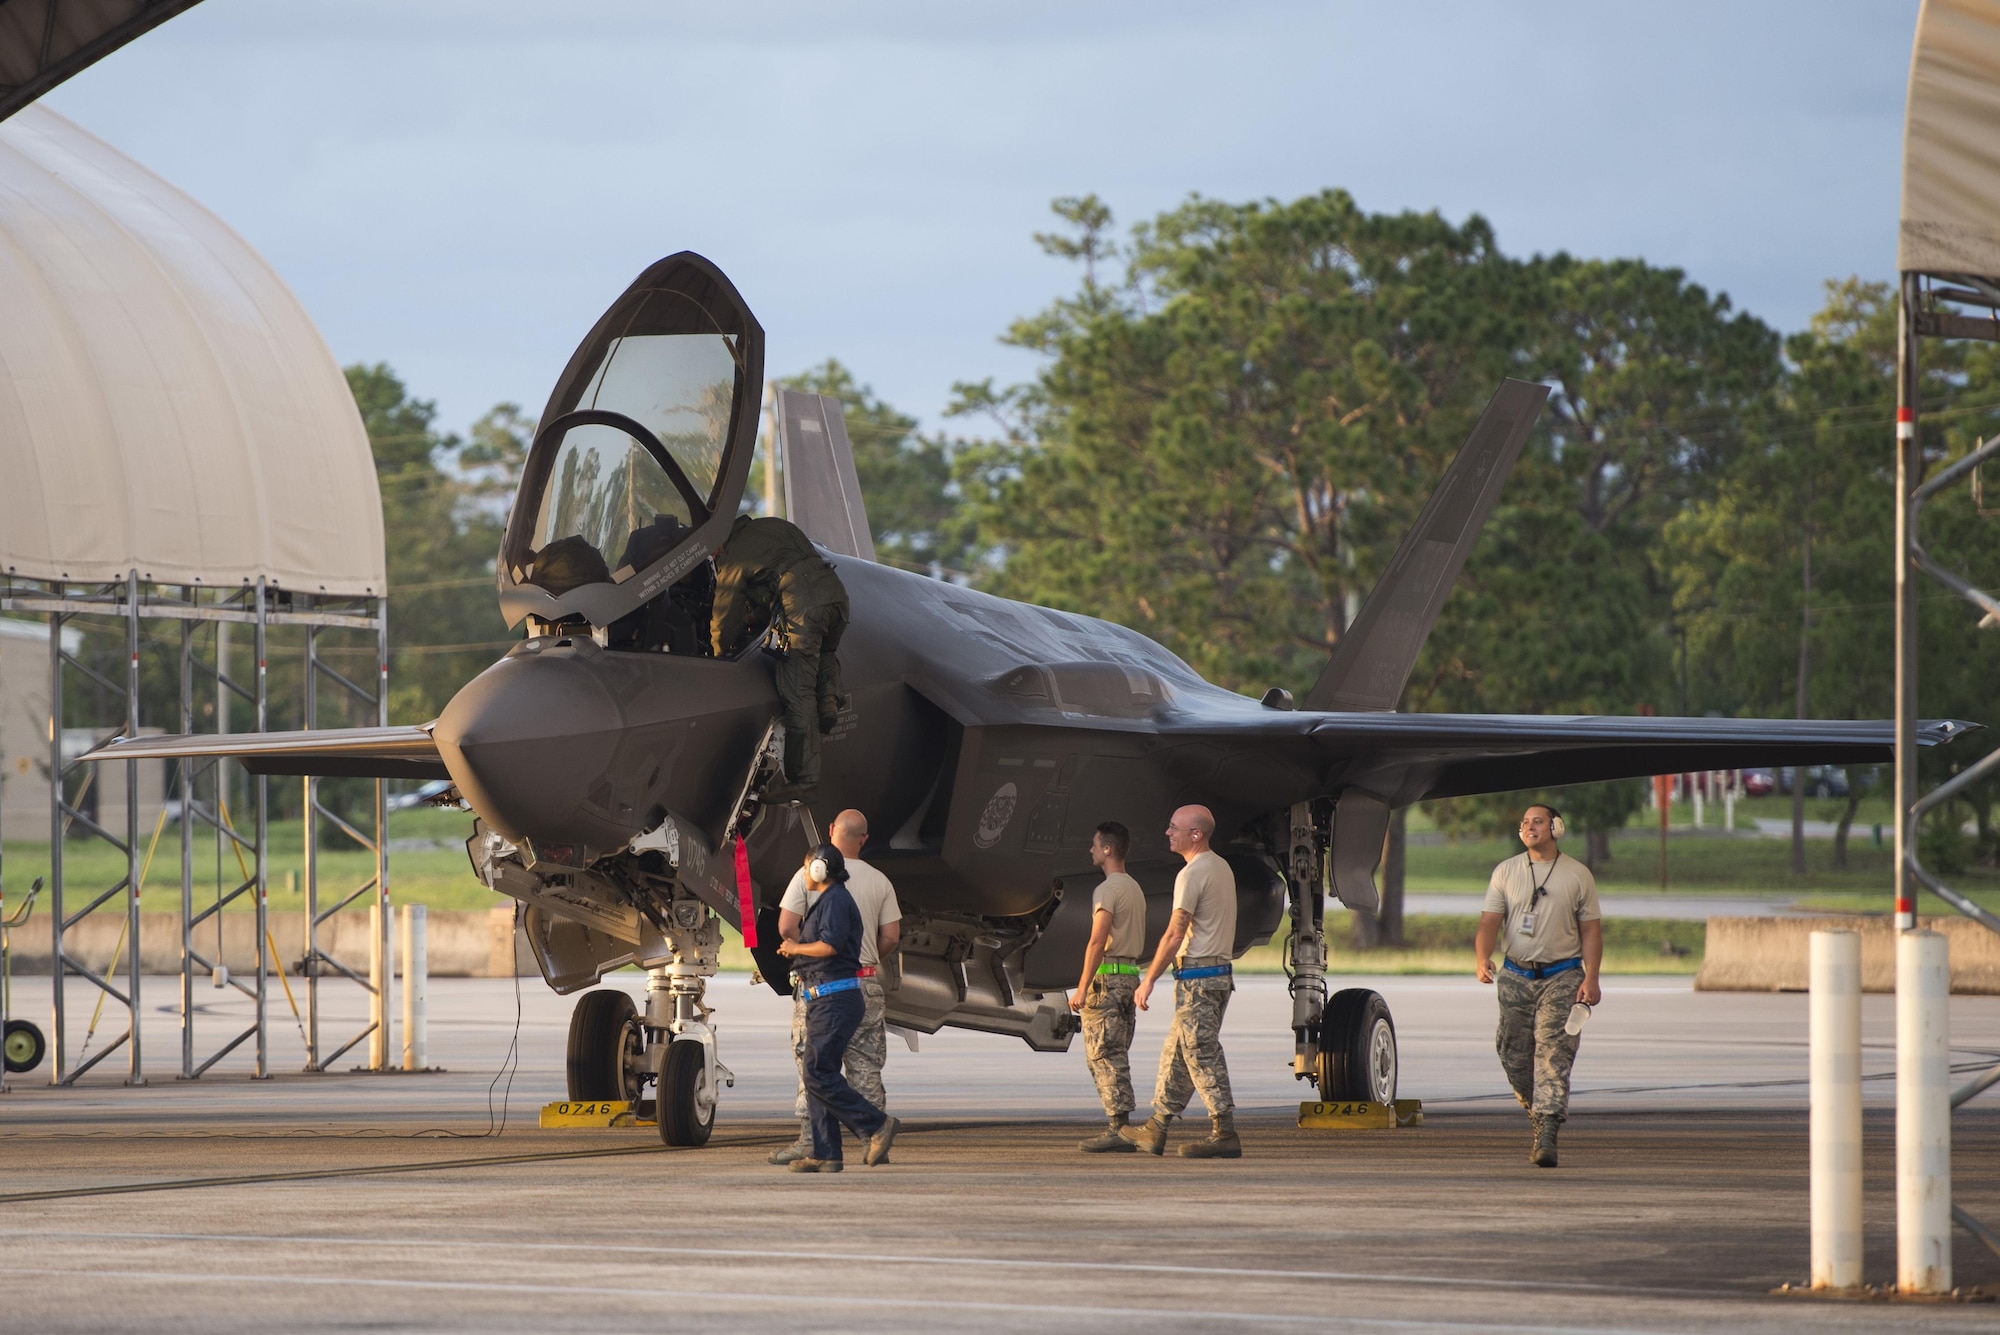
x: 1951, y: 142
x: 165, y: 403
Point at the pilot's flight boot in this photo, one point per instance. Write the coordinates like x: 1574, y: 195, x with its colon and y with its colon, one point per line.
x: 1544, y: 1153
x: 1221, y: 1143
x: 1150, y: 1136
x: 1111, y: 1140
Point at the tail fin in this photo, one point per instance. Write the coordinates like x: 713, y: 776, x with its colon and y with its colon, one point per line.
x: 1372, y: 662
x: 822, y: 493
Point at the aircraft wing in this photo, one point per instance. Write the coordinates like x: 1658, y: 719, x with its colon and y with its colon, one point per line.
x: 371, y: 753
x: 1453, y: 755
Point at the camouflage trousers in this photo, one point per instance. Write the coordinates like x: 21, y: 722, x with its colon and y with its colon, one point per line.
x: 866, y: 1051
x: 1534, y: 1051
x: 1192, y: 1059
x: 1108, y: 1018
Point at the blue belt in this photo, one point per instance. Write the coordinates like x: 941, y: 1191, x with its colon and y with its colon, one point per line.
x: 1205, y: 971
x: 828, y: 989
x: 1537, y: 972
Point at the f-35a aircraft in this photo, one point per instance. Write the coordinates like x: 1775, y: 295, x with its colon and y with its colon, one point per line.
x: 614, y: 763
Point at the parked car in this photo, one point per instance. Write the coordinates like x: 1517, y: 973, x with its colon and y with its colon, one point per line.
x: 1820, y: 781
x: 1759, y: 782
x: 420, y: 797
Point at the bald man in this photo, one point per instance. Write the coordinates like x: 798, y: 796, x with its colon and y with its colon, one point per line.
x: 1200, y: 941
x: 881, y: 933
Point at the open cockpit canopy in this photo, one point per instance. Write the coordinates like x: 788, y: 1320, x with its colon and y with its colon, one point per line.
x: 639, y: 460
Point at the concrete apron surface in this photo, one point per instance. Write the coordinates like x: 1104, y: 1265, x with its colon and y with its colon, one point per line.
x: 330, y: 1202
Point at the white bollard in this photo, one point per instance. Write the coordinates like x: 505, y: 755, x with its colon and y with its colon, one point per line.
x: 1836, y: 1110
x: 416, y: 981
x: 1923, y: 1113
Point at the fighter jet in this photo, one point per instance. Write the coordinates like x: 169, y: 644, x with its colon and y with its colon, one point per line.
x: 617, y: 766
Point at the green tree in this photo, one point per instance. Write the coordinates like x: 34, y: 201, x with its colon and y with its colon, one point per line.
x: 1230, y: 431
x: 441, y: 517
x: 1562, y: 608
x: 1784, y: 577
x: 905, y: 476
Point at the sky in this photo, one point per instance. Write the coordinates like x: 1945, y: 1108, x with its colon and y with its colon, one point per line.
x: 458, y: 189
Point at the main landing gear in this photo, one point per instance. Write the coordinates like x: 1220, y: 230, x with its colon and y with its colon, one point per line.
x: 615, y: 1052
x: 1345, y: 1045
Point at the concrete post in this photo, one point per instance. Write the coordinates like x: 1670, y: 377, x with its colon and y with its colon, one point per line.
x: 1923, y: 1113
x: 416, y: 980
x: 1836, y: 1110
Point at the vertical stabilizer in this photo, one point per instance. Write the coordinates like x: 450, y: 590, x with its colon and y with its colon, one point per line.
x: 1372, y: 662
x: 822, y: 493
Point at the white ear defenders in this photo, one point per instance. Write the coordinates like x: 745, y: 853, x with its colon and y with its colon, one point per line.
x: 817, y: 869
x: 1556, y: 825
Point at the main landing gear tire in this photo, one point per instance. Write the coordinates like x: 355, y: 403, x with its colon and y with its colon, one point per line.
x: 1357, y: 1048
x: 687, y: 1101
x: 602, y: 1026
x: 25, y: 1046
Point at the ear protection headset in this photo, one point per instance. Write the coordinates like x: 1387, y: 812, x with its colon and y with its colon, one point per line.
x: 827, y: 865
x: 1557, y: 828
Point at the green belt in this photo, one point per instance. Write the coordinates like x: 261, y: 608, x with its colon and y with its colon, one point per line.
x: 1116, y: 967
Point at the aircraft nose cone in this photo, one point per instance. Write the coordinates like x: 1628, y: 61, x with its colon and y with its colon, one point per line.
x: 529, y: 740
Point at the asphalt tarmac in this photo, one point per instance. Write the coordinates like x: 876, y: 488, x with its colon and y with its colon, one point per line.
x: 380, y: 1202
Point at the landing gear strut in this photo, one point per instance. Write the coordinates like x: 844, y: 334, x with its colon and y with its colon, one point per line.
x: 1347, y: 1045
x: 687, y: 1072
x: 1305, y: 952
x: 615, y: 1052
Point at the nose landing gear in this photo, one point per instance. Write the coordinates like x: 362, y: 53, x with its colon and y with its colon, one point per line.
x: 615, y: 1052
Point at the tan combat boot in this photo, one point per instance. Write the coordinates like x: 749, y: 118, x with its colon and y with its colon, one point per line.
x: 1150, y: 1136
x: 1111, y: 1140
x: 1544, y: 1153
x: 1222, y: 1142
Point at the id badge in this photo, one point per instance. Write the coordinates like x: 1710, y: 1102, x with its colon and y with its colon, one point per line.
x: 1528, y: 924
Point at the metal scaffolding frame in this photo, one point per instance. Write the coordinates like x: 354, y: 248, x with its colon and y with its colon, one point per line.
x: 1925, y: 311
x: 318, y: 963
x: 202, y: 788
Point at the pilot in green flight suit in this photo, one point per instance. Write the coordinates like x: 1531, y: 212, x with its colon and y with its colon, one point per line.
x: 767, y: 568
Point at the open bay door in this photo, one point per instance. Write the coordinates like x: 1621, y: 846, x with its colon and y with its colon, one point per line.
x: 640, y: 458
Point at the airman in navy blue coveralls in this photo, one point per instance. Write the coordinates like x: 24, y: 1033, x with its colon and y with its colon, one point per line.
x: 827, y: 959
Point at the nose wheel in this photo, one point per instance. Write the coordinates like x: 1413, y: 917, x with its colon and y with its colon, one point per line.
x: 605, y: 1038
x: 687, y: 1094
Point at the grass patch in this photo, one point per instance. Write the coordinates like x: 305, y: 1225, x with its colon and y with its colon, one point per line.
x: 1441, y: 943
x: 439, y: 876
x: 1698, y: 863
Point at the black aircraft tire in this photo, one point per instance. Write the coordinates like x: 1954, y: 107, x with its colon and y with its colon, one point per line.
x: 681, y: 1119
x: 25, y: 1046
x: 1357, y: 1047
x: 596, y: 1045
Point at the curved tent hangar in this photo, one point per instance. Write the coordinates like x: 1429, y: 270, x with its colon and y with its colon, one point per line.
x: 165, y: 404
